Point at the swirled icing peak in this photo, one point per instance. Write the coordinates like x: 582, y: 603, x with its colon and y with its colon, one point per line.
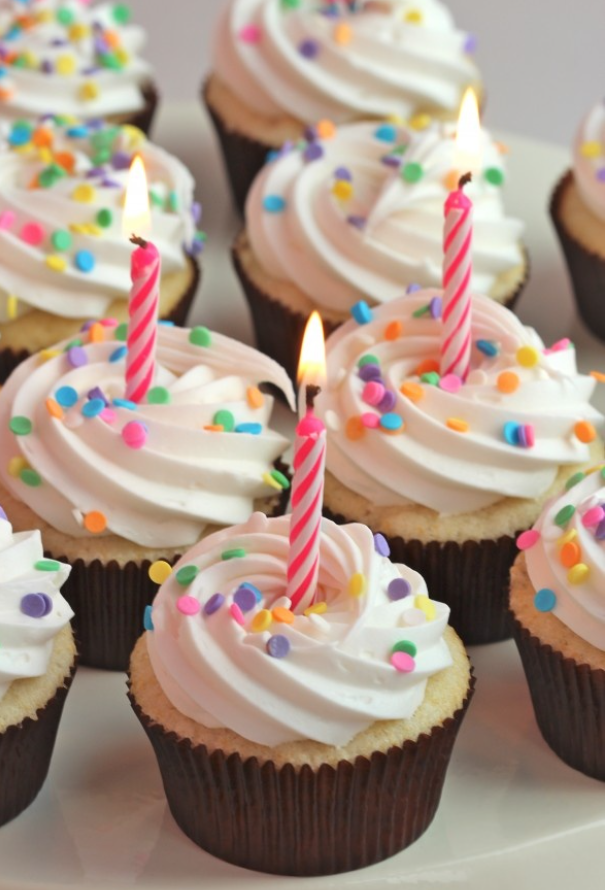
x: 398, y: 433
x: 565, y: 555
x: 69, y: 57
x: 589, y: 160
x: 62, y: 187
x: 343, y: 60
x: 198, y: 450
x: 358, y: 213
x: 32, y: 610
x: 228, y: 651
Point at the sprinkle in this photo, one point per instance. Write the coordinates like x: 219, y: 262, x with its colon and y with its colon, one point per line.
x: 432, y: 378
x: 235, y: 553
x: 237, y: 615
x: 84, y: 193
x: 121, y: 331
x: 253, y: 429
x: 36, y: 605
x: 392, y: 423
x: 570, y: 554
x: 188, y: 605
x: 32, y: 233
x: 118, y: 354
x: 388, y: 401
x: 420, y: 121
x: 61, y: 239
x: 281, y: 479
x: 20, y: 426
x: 357, y: 585
x: 362, y: 313
x: 214, y: 604
x: 250, y: 34
x: 598, y: 375
x: 159, y: 395
x: 66, y: 396
x: 109, y: 416
x: 89, y: 91
x: 494, y: 176
x: 30, y: 477
x: 54, y: 409
x: 436, y: 307
x: 326, y: 129
x: 406, y: 646
x: 426, y: 605
x: 278, y: 646
x: 508, y: 382
x: 186, y: 575
x: 450, y: 383
x: 309, y: 48
x: 316, y: 609
x: 200, y: 336
x: 403, y: 662
x: 84, y: 261
x: 370, y: 421
x: 564, y: 515
x: 354, y: 428
x: 159, y: 571
x: 545, y: 600
x: 342, y: 190
x: 283, y: 615
x: 578, y: 573
x: 56, y: 263
x: 343, y: 34
x: 134, y: 434
x: 528, y: 539
x: 393, y: 330
x: 373, y: 392
x: 570, y: 535
x: 386, y: 133
x: 412, y: 391
x: 358, y: 222
x: 93, y: 408
x: 487, y: 347
x: 274, y: 203
x: 510, y: 432
x: 381, y: 545
x: 574, y: 480
x: 104, y: 218
x: 225, y: 419
x: 585, y: 431
x: 47, y: 565
x: 76, y: 356
x: 593, y: 516
x: 125, y: 403
x: 262, y: 621
x: 147, y: 619
x: 412, y: 172
x: 7, y: 218
x: 528, y: 356
x: 427, y: 366
x: 95, y: 522
x: 245, y: 598
x: 398, y: 589
x: 254, y: 397
x: 16, y: 465
x: 313, y: 152
x: 457, y: 425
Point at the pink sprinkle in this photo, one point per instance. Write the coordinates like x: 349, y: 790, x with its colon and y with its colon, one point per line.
x: 188, y: 605
x: 109, y: 322
x: 530, y: 435
x: 108, y: 415
x: 134, y: 434
x: 7, y: 218
x: 370, y: 421
x: 560, y: 345
x: 450, y: 383
x: 32, y: 233
x: 403, y: 662
x: 528, y: 539
x: 373, y: 393
x: 250, y: 34
x: 593, y: 516
x: 237, y: 614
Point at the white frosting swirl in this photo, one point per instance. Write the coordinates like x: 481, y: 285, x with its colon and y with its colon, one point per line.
x: 69, y: 57
x: 589, y: 160
x: 32, y: 610
x: 579, y: 594
x: 373, y: 60
x: 389, y: 233
x: 336, y: 678
x: 430, y: 460
x: 183, y: 476
x: 83, y: 207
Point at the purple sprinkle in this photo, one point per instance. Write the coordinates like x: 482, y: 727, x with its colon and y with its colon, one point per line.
x: 388, y: 402
x: 97, y: 393
x: 369, y: 372
x: 600, y: 531
x: 59, y: 41
x: 601, y: 174
x: 101, y: 45
x: 244, y: 598
x: 86, y: 326
x: 343, y: 174
x: 97, y: 26
x: 77, y: 357
x: 278, y: 646
x: 90, y: 71
x: 286, y: 148
x: 47, y: 66
x: 110, y: 184
x: 254, y: 590
x: 121, y: 160
x: 195, y: 248
x: 381, y: 545
x: 521, y: 436
x: 398, y: 589
x: 358, y: 222
x: 214, y: 604
x: 309, y: 48
x: 36, y: 605
x: 412, y: 288
x: 310, y: 134
x: 196, y: 212
x: 435, y: 307
x: 97, y: 123
x: 3, y: 514
x: 470, y: 44
x: 313, y: 152
x: 95, y: 171
x: 391, y: 161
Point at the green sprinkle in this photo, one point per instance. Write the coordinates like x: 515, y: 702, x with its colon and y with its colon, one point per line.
x: 290, y: 4
x: 61, y: 239
x: 280, y: 479
x: 121, y: 332
x: 575, y: 480
x: 173, y: 201
x: 50, y: 175
x: 71, y: 344
x: 111, y: 61
x: 603, y: 472
x: 200, y: 235
x: 20, y: 62
x: 399, y: 150
x: 236, y: 553
x: 200, y: 336
x: 104, y: 218
x: 159, y: 395
x: 65, y: 16
x: 122, y: 13
x: 186, y: 575
x: 30, y: 477
x: 104, y: 138
x: 20, y: 426
x: 367, y: 360
x: 564, y: 515
x: 406, y: 646
x: 155, y: 199
x: 432, y: 377
x: 412, y: 172
x: 418, y: 313
x: 225, y: 419
x: 47, y: 565
x: 494, y: 176
x: 101, y: 156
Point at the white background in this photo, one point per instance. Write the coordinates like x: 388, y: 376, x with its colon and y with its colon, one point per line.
x: 542, y: 60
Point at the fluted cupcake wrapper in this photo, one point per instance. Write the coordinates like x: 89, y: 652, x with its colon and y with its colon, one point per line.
x: 309, y: 821
x: 25, y: 754
x: 472, y: 578
x: 586, y: 269
x: 569, y: 703
x: 142, y: 119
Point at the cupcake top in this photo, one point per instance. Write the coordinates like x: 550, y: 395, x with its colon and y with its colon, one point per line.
x: 357, y: 213
x: 589, y: 160
x: 399, y: 433
x: 32, y: 610
x: 565, y: 555
x: 229, y: 652
x: 69, y: 57
x: 197, y: 450
x: 343, y: 60
x: 62, y: 187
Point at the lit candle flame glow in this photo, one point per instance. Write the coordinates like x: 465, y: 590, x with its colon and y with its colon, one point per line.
x: 468, y: 135
x: 312, y: 364
x: 137, y: 216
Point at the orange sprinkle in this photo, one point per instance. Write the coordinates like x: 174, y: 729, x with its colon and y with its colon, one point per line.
x: 6, y: 93
x: 95, y: 522
x: 33, y: 183
x: 570, y: 554
x: 42, y: 138
x: 66, y: 160
x: 343, y: 34
x: 325, y: 129
x: 502, y: 148
x: 255, y: 397
x: 393, y: 330
x: 111, y: 38
x: 214, y: 427
x: 412, y: 391
x: 457, y: 425
x: 427, y: 367
x: 598, y: 375
x: 96, y: 333
x: 355, y: 428
x: 508, y: 382
x: 54, y: 409
x: 286, y: 616
x: 451, y: 180
x: 585, y: 431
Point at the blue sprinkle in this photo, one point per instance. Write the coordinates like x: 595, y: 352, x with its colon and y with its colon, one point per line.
x: 272, y: 156
x: 166, y: 323
x: 93, y: 408
x: 147, y: 619
x: 362, y: 313
x: 66, y: 396
x: 118, y: 354
x: 77, y: 132
x: 278, y: 646
x: 381, y: 545
x: 19, y: 135
x: 254, y: 590
x: 391, y: 422
x: 274, y: 203
x: 84, y: 261
x: 511, y: 432
x: 487, y: 347
x: 545, y: 600
x: 386, y: 133
x: 125, y: 403
x: 255, y: 429
x: 214, y: 604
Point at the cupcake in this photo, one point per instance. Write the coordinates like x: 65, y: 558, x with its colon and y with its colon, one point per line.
x: 37, y: 663
x: 450, y: 472
x: 358, y: 215
x: 299, y: 742
x: 279, y: 67
x: 117, y: 487
x: 578, y: 212
x: 63, y: 255
x: 73, y: 58
x: 556, y: 600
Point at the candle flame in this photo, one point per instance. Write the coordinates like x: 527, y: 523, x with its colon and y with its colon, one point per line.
x: 312, y: 364
x: 468, y: 135
x: 136, y: 217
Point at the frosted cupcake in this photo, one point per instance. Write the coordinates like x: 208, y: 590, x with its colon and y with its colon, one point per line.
x: 37, y: 662
x: 556, y: 599
x: 64, y: 258
x: 73, y: 58
x: 270, y: 726
x: 578, y: 212
x: 280, y: 67
x: 450, y: 472
x: 116, y: 486
x: 357, y: 214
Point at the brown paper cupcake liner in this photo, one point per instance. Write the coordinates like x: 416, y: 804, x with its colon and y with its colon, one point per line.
x: 10, y: 359
x: 569, y: 703
x: 586, y: 269
x: 309, y: 821
x: 25, y: 753
x: 471, y: 578
x: 143, y: 119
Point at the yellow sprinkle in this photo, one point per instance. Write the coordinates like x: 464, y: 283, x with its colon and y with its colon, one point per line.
x: 528, y: 356
x: 11, y: 306
x: 596, y: 469
x: 89, y: 91
x: 65, y: 65
x: 342, y: 190
x: 426, y: 605
x: 135, y: 136
x: 273, y: 483
x: 567, y: 538
x: 122, y: 55
x: 420, y: 121
x: 413, y: 17
x: 56, y: 263
x: 45, y: 155
x: 357, y: 585
x: 45, y: 15
x: 343, y: 34
x: 45, y: 355
x: 16, y: 465
x: 316, y: 609
x: 31, y: 60
x: 78, y: 228
x: 578, y: 574
x: 84, y: 193
x: 457, y: 425
x: 261, y: 621
x: 78, y: 31
x: 159, y: 571
x: 591, y: 149
x: 23, y: 149
x: 396, y: 119
x: 92, y: 229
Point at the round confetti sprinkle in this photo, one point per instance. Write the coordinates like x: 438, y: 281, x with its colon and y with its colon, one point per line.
x: 158, y: 395
x: 528, y: 356
x: 186, y: 575
x: 160, y: 571
x: 391, y: 423
x: 508, y: 382
x: 398, y: 589
x: 104, y: 218
x: 61, y: 239
x: 93, y: 408
x: 32, y: 233
x: 262, y: 621
x: 188, y: 605
x: 20, y: 426
x: 412, y: 391
x: 362, y: 313
x: 450, y: 383
x: 370, y: 421
x: 148, y: 619
x: 274, y: 203
x: 225, y: 419
x: 412, y: 172
x: 121, y: 332
x: 281, y: 479
x: 47, y: 565
x: 30, y: 477
x: 593, y: 516
x: 95, y: 522
x: 254, y: 429
x: 316, y: 609
x: 570, y: 554
x: 84, y: 261
x: 373, y: 392
x: 578, y: 574
x: 84, y: 193
x: 426, y: 605
x: 494, y: 176
x: 200, y: 336
x: 36, y: 605
x: 393, y: 330
x: 487, y: 347
x: 403, y: 662
x: 574, y: 480
x: 357, y: 585
x: 354, y: 428
x: 585, y: 431
x: 278, y: 646
x: 381, y: 545
x: 283, y: 615
x: 245, y: 599
x: 406, y: 646
x: 457, y: 425
x: 510, y: 432
x: 214, y: 604
x: 386, y: 133
x: 134, y: 434
x: 76, y: 356
x: 564, y: 515
x: 254, y: 397
x: 528, y: 539
x: 66, y: 396
x: 118, y: 354
x: 309, y: 48
x: 235, y: 553
x: 342, y: 190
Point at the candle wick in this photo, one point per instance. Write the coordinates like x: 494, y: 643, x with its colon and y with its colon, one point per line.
x: 311, y: 394
x: 140, y: 242
x: 464, y: 180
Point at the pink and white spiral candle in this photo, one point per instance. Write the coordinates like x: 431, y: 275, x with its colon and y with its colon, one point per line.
x: 457, y: 269
x: 143, y: 309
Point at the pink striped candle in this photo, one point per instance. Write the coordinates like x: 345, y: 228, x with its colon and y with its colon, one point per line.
x: 143, y: 307
x: 457, y: 269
